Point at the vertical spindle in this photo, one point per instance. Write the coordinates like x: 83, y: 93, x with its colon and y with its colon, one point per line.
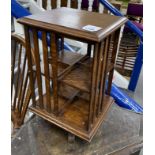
x: 68, y: 3
x: 48, y: 5
x: 79, y: 4
x: 90, y: 5
x: 58, y: 3
x: 40, y: 4
x: 101, y: 8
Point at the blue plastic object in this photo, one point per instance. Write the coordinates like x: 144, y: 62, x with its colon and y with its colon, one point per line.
x: 18, y: 11
x: 137, y: 68
x: 124, y: 100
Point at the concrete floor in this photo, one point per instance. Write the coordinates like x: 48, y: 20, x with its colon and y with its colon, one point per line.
x: 138, y: 96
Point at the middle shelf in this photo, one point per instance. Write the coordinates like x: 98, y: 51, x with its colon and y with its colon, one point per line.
x: 74, y: 69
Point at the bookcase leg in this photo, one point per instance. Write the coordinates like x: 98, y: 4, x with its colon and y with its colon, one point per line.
x: 71, y: 143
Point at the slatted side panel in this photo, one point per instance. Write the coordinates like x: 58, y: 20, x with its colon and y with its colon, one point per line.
x: 127, y: 54
x: 43, y: 70
x: 103, y: 62
x: 20, y: 95
x: 98, y: 79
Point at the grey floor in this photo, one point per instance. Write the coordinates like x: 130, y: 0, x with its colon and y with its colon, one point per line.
x: 138, y: 96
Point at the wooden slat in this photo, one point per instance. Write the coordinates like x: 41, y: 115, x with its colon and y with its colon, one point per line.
x: 104, y: 73
x: 26, y: 103
x: 93, y: 79
x: 19, y: 71
x: 54, y: 71
x: 23, y: 92
x: 13, y: 67
x: 21, y: 81
x: 28, y: 53
x: 18, y: 74
x: 46, y: 71
x: 38, y: 70
x: 98, y: 79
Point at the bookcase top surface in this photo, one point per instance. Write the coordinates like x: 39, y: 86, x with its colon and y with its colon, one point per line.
x: 70, y: 22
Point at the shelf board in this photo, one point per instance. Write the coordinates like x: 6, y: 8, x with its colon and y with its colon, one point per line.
x: 66, y: 59
x: 80, y: 76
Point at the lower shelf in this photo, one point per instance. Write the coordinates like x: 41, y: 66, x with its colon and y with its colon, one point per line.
x: 80, y: 76
x: 75, y: 117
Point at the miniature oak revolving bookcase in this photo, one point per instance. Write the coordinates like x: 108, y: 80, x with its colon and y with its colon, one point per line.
x: 68, y: 88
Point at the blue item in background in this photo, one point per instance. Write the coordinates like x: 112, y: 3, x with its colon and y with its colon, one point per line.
x: 17, y: 10
x: 123, y: 100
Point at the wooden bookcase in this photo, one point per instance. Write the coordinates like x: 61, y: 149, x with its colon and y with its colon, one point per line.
x: 68, y: 88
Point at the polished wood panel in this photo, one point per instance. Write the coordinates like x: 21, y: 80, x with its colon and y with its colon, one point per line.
x: 71, y: 21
